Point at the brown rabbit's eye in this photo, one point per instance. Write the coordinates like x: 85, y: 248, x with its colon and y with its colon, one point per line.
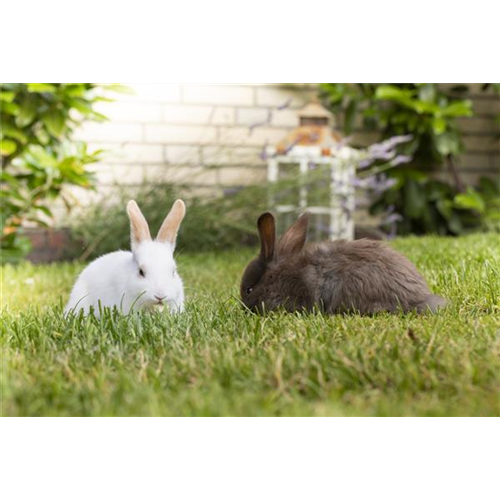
x: 142, y: 273
x: 249, y: 290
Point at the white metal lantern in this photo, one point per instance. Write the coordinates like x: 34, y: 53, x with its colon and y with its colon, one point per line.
x: 313, y: 143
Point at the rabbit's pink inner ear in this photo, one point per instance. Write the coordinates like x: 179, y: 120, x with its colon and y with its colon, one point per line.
x: 295, y: 237
x: 267, y: 234
x: 170, y: 227
x: 139, y: 229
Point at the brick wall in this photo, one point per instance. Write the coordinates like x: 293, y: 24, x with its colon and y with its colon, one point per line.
x: 213, y: 135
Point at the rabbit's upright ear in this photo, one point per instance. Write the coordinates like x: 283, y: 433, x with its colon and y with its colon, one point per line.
x: 294, y: 239
x: 172, y: 222
x: 267, y: 234
x: 139, y: 229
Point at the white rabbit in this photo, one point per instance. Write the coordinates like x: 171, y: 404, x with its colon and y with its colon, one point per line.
x: 145, y: 278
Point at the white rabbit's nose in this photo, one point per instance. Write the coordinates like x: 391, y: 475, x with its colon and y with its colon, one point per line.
x: 160, y: 299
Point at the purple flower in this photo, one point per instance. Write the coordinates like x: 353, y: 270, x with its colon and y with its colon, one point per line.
x: 376, y: 184
x: 285, y: 105
x: 232, y: 191
x: 394, y: 141
x: 343, y: 142
x: 366, y: 162
x: 345, y: 205
x: 391, y: 219
x: 323, y: 228
x: 290, y: 147
x: 263, y: 153
x: 262, y: 123
x: 398, y: 160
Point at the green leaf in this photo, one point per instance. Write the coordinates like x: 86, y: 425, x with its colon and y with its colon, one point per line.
x: 41, y: 87
x: 54, y: 122
x: 17, y: 251
x: 27, y: 113
x: 42, y: 135
x: 7, y: 147
x: 445, y: 208
x: 458, y: 108
x: 350, y: 115
x: 122, y: 89
x: 455, y: 224
x: 415, y: 200
x: 10, y: 108
x: 81, y: 105
x: 447, y: 143
x: 439, y: 125
x: 470, y: 200
x: 392, y: 92
x: 427, y: 92
x: 9, y: 130
x: 43, y: 209
x: 7, y: 96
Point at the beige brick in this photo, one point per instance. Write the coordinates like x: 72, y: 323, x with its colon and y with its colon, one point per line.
x: 364, y: 138
x: 218, y: 94
x: 135, y: 153
x: 481, y: 143
x: 123, y: 174
x: 131, y: 112
x: 184, y: 175
x: 223, y: 155
x: 110, y: 132
x: 468, y: 178
x: 155, y: 92
x: 223, y: 116
x: 181, y: 155
x: 183, y: 134
x: 285, y: 118
x: 483, y: 125
x: 241, y: 176
x: 259, y: 136
x: 253, y: 116
x: 187, y: 114
x: 278, y: 96
x: 490, y: 106
x: 479, y: 161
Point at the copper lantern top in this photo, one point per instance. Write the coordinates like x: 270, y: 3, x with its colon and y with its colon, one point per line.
x: 313, y: 130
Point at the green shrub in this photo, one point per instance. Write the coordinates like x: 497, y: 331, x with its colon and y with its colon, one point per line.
x: 38, y: 120
x: 427, y: 112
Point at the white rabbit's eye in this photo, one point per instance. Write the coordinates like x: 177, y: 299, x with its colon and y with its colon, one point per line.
x: 249, y: 290
x: 142, y: 273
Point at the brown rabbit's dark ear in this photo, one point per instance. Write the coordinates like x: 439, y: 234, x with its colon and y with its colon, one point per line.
x: 267, y: 233
x: 295, y: 237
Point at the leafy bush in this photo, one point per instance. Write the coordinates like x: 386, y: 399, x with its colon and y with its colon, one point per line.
x: 485, y: 202
x: 38, y: 119
x: 428, y: 113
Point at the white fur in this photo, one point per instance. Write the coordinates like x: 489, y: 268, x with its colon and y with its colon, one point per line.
x: 114, y: 280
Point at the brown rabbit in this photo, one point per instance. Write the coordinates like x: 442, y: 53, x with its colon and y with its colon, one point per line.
x: 362, y: 276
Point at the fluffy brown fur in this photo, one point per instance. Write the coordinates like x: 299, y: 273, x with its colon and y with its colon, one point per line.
x: 362, y: 276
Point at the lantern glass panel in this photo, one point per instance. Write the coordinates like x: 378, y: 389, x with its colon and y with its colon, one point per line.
x: 318, y: 188
x: 288, y: 184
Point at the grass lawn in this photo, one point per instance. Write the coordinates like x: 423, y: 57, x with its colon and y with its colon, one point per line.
x: 215, y: 359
